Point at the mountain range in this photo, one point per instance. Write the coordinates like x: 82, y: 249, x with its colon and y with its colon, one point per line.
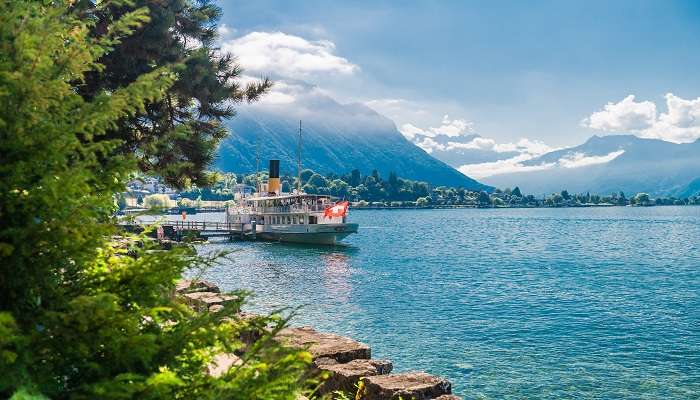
x: 337, y: 138
x: 603, y: 164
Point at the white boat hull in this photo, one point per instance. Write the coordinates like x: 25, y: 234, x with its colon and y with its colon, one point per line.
x: 328, y: 234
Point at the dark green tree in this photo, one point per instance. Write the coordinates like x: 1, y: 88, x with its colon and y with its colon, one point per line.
x: 82, y: 316
x: 393, y: 185
x: 355, y: 178
x: 484, y: 198
x: 176, y: 136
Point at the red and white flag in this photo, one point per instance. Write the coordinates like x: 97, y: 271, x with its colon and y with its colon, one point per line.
x: 338, y: 210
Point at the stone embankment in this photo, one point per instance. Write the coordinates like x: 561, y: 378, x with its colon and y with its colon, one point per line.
x: 347, y: 362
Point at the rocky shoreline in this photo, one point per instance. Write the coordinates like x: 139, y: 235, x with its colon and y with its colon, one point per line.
x: 347, y: 362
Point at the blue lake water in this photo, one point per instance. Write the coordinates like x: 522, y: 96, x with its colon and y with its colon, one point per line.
x: 600, y: 303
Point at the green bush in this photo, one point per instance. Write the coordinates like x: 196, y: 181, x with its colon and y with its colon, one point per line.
x: 157, y: 201
x: 83, y: 316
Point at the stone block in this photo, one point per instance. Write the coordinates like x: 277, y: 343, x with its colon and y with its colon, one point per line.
x: 216, y: 308
x: 409, y: 385
x: 328, y: 345
x: 190, y: 286
x: 202, y: 301
x: 344, y: 377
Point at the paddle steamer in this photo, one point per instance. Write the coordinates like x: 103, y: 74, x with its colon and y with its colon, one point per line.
x: 294, y: 217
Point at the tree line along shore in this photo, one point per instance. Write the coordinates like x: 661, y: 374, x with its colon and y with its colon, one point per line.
x: 373, y: 192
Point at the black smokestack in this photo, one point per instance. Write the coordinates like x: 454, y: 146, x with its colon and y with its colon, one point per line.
x: 274, y: 168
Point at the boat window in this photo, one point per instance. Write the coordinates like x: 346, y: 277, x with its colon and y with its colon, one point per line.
x: 313, y: 219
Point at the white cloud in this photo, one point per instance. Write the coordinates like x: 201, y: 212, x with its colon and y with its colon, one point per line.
x: 225, y: 32
x: 448, y: 127
x: 405, y: 113
x: 528, y: 150
x: 516, y: 164
x: 453, y: 128
x: 478, y: 143
x: 429, y: 145
x: 276, y: 97
x: 526, y: 146
x: 578, y: 160
x: 679, y: 124
x: 625, y: 115
x: 523, y: 146
x: 511, y: 165
x: 410, y: 131
x: 286, y: 55
x: 282, y: 92
x: 681, y: 113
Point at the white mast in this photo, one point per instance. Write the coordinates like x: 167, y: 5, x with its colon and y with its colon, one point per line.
x: 299, y: 161
x: 257, y: 166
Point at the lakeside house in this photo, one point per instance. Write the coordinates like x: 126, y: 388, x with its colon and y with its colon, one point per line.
x: 149, y: 185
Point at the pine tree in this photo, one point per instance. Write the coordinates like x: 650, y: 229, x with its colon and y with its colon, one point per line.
x: 176, y: 136
x: 79, y: 316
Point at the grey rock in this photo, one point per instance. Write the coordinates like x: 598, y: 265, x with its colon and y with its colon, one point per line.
x: 409, y: 385
x: 344, y: 377
x: 202, y: 301
x: 216, y: 308
x: 190, y: 286
x: 329, y: 345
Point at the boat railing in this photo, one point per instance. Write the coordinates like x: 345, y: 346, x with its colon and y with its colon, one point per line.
x: 289, y: 209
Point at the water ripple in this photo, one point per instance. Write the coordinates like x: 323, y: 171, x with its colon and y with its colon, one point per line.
x: 512, y: 304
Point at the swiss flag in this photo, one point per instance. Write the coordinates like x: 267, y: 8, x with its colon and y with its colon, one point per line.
x: 338, y: 210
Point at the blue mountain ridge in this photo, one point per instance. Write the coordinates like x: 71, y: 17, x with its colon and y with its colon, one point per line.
x: 337, y: 138
x: 653, y: 166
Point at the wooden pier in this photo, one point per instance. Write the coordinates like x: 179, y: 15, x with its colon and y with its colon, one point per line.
x: 180, y: 230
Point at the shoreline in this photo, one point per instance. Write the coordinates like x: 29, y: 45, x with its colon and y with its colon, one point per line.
x: 347, y: 362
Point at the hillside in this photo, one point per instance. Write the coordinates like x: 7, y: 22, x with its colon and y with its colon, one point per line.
x: 337, y: 138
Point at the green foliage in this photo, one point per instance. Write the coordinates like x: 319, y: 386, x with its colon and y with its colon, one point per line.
x: 185, y: 203
x: 423, y: 202
x: 641, y: 199
x: 157, y: 201
x: 83, y: 316
x: 396, y: 191
x: 175, y: 136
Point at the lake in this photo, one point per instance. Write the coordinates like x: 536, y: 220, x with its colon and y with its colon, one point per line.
x: 506, y: 303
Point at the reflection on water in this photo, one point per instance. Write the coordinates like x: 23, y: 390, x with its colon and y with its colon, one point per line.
x: 336, y: 274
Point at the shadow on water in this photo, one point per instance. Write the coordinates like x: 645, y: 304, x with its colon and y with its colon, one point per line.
x: 286, y: 246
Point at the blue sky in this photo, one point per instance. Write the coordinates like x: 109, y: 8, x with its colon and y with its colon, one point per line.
x: 509, y: 70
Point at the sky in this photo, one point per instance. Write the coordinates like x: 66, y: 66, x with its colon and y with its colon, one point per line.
x: 544, y: 73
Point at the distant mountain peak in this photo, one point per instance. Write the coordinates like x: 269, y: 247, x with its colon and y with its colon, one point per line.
x: 609, y: 163
x: 337, y: 138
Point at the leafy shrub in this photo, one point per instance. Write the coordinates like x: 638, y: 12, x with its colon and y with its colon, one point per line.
x: 157, y: 201
x: 83, y: 315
